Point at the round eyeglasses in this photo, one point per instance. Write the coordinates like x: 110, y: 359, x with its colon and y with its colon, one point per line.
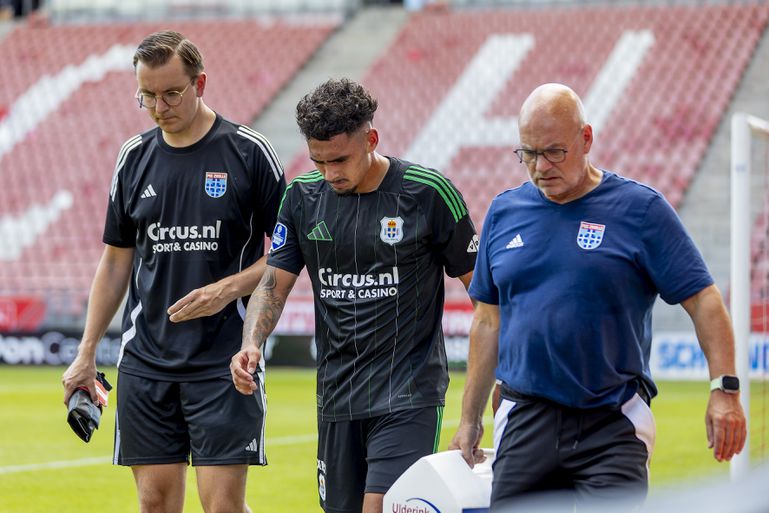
x: 170, y: 98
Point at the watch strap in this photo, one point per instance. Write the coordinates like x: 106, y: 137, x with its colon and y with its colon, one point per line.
x: 718, y: 384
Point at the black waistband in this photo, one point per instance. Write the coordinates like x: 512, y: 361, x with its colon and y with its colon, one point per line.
x: 509, y: 393
x: 643, y: 391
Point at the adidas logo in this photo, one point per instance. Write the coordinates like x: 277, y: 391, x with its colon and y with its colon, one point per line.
x: 517, y: 242
x: 253, y: 446
x: 320, y: 232
x: 473, y: 246
x: 149, y: 192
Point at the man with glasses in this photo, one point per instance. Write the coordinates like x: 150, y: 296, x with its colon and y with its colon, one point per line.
x: 569, y: 266
x: 189, y: 207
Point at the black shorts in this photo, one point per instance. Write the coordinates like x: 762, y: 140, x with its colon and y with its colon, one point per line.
x: 165, y: 422
x: 586, y: 456
x: 368, y: 455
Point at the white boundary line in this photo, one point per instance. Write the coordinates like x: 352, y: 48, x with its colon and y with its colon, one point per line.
x: 107, y: 459
x: 34, y: 467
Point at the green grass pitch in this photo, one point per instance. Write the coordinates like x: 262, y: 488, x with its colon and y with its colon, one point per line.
x: 44, y: 467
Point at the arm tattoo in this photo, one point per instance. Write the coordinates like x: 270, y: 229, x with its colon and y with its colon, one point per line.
x: 264, y: 310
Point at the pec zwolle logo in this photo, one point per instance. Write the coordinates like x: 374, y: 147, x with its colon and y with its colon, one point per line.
x: 590, y: 235
x: 392, y: 230
x: 322, y: 479
x: 215, y: 184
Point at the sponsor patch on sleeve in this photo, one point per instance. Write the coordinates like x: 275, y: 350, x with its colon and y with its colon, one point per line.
x: 474, y: 244
x: 278, y: 237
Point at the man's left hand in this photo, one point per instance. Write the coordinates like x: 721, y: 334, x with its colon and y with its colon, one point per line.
x: 725, y: 424
x: 200, y: 302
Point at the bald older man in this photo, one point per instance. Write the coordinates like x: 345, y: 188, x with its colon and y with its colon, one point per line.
x: 569, y: 267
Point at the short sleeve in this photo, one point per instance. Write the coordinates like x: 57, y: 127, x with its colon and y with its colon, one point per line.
x: 270, y: 181
x: 453, y: 230
x: 669, y: 255
x: 285, y: 252
x: 482, y: 287
x: 119, y: 228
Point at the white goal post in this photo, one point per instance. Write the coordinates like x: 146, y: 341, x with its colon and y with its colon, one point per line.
x: 744, y: 129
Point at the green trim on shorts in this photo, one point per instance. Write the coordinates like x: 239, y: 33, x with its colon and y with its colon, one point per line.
x: 438, y: 424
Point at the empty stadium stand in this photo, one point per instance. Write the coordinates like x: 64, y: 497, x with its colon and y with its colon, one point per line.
x: 67, y: 104
x: 656, y: 81
x: 89, y: 10
x: 681, y: 66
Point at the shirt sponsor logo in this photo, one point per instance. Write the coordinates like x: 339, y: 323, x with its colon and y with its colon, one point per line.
x: 215, y: 184
x: 590, y: 235
x: 357, y: 286
x: 392, y: 230
x: 184, y: 238
x: 279, y: 235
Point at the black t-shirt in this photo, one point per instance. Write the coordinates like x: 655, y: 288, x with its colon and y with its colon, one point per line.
x: 376, y: 262
x: 194, y: 216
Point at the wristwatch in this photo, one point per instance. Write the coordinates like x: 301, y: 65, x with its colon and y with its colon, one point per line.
x: 726, y: 383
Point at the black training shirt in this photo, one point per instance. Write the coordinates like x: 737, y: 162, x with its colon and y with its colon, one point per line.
x: 194, y: 216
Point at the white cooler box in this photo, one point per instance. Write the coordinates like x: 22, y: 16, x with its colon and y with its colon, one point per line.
x: 442, y: 483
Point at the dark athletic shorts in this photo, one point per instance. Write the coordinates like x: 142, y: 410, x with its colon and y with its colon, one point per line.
x: 368, y: 455
x: 165, y: 422
x: 546, y: 451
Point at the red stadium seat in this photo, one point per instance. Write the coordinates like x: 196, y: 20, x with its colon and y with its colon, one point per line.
x: 653, y: 121
x: 657, y: 132
x: 73, y: 148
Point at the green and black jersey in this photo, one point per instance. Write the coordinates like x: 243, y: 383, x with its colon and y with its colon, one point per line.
x: 376, y: 262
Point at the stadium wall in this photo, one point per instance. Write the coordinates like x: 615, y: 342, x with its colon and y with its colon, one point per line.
x: 675, y: 355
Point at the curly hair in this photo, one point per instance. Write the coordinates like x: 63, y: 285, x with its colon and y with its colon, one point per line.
x: 158, y: 48
x: 335, y: 107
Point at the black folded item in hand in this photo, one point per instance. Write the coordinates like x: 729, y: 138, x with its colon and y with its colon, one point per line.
x: 83, y: 415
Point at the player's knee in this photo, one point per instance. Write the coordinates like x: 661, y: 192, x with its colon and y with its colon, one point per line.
x: 157, y: 501
x: 225, y: 505
x: 160, y: 489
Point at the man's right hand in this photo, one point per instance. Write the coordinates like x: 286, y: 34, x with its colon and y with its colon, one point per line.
x: 468, y: 439
x: 242, y: 367
x: 80, y: 373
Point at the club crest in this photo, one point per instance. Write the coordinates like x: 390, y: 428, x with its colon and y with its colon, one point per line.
x: 215, y: 184
x: 392, y: 230
x: 590, y: 235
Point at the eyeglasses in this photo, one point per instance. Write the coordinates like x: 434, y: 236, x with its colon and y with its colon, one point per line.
x: 552, y: 155
x: 170, y: 98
